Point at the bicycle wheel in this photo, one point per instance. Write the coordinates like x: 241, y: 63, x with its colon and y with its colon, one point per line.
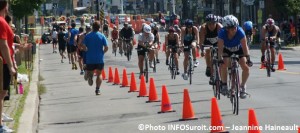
x: 234, y: 93
x: 146, y: 68
x: 217, y: 82
x: 154, y: 64
x: 268, y: 63
x: 174, y: 68
x: 171, y: 67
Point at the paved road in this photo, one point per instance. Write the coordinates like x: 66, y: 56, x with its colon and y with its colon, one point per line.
x: 70, y: 105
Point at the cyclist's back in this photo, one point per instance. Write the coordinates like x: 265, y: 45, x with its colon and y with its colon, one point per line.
x: 248, y: 26
x: 126, y: 33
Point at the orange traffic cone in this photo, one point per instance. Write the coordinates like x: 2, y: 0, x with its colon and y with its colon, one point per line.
x: 253, y: 122
x: 143, y: 90
x: 124, y: 80
x: 133, y: 87
x: 41, y: 42
x: 165, y: 101
x: 262, y: 66
x: 152, y: 92
x: 187, y: 111
x: 216, y: 119
x: 103, y: 74
x: 110, y: 75
x: 280, y: 62
x: 299, y: 129
x: 117, y: 77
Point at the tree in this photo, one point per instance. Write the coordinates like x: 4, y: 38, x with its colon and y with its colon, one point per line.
x: 21, y: 8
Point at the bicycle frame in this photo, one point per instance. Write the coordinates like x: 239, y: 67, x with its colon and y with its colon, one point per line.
x: 190, y: 68
x: 128, y: 48
x: 234, y: 83
x: 216, y: 71
x: 172, y: 65
x: 268, y: 57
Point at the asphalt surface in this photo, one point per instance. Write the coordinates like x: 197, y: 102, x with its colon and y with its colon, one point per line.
x: 71, y: 106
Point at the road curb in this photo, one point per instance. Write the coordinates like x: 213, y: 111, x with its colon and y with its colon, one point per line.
x: 29, y: 119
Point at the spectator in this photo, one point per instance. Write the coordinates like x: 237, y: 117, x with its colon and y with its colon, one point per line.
x: 6, y: 53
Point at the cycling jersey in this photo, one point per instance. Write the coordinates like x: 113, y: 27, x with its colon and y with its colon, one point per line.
x: 211, y: 37
x: 172, y: 41
x: 127, y: 33
x: 248, y: 25
x: 189, y: 37
x: 233, y: 44
x: 114, y: 34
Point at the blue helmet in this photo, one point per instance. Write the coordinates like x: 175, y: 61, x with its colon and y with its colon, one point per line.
x: 188, y: 23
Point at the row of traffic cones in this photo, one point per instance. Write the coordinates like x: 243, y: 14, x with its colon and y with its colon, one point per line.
x: 280, y: 63
x: 187, y: 110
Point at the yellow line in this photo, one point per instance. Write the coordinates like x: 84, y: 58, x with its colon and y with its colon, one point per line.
x: 295, y: 73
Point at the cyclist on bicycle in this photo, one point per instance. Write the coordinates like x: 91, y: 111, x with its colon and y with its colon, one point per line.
x: 105, y: 28
x: 190, y: 37
x: 209, y: 36
x: 156, y: 43
x: 232, y: 40
x: 126, y: 34
x: 269, y: 29
x: 145, y: 37
x: 114, y: 38
x: 172, y: 43
x: 248, y: 28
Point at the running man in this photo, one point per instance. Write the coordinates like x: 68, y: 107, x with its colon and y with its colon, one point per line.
x: 81, y: 52
x: 54, y: 40
x: 95, y: 45
x: 72, y: 45
x: 61, y: 43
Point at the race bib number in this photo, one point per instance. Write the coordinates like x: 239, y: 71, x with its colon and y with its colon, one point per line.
x: 233, y: 49
x: 212, y: 40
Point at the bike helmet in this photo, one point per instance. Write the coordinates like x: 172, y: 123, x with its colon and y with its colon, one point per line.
x: 171, y: 29
x: 188, y: 23
x: 230, y: 21
x: 152, y: 25
x: 270, y: 21
x: 147, y: 29
x: 115, y: 27
x: 211, y: 18
x: 125, y: 24
x: 176, y: 27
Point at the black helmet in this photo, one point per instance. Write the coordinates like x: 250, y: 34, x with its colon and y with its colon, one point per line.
x: 211, y: 18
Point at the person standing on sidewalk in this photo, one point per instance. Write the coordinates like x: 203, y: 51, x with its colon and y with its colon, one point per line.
x: 95, y: 45
x: 72, y: 45
x: 6, y: 52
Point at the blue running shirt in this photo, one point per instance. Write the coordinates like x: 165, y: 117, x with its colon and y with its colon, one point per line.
x: 95, y: 42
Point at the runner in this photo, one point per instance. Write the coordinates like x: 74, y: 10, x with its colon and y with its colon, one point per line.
x: 54, y: 40
x: 72, y: 45
x: 61, y: 43
x: 95, y: 45
x: 79, y: 49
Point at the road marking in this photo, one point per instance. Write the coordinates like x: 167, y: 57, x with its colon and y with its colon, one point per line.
x: 295, y: 73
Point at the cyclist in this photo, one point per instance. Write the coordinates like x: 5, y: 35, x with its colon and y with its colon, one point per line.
x: 114, y: 38
x: 126, y: 33
x: 105, y: 28
x: 269, y: 29
x: 144, y: 37
x: 154, y: 31
x: 172, y: 39
x: 190, y: 36
x: 232, y: 40
x: 209, y: 36
x: 248, y: 28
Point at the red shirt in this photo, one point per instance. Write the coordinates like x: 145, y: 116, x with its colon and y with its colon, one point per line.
x: 114, y: 34
x: 6, y: 34
x: 176, y: 22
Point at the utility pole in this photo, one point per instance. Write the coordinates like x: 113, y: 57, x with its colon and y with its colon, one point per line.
x: 97, y: 9
x: 173, y: 6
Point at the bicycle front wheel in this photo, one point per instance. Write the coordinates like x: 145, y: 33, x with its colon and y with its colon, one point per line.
x: 268, y: 64
x: 146, y: 68
x: 190, y: 70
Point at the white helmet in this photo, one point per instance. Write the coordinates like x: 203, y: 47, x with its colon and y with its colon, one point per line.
x: 230, y: 21
x: 147, y: 29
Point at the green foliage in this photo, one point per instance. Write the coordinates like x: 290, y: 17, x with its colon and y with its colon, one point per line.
x: 293, y: 6
x: 23, y: 8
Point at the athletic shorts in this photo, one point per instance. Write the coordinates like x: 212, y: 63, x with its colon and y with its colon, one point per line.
x: 141, y: 52
x: 6, y: 77
x: 92, y: 67
x: 187, y: 43
x: 62, y: 47
x: 227, y: 53
x: 54, y: 40
x: 71, y: 48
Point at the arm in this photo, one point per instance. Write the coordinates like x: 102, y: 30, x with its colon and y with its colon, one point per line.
x: 105, y: 49
x: 263, y: 35
x: 202, y: 37
x: 244, y: 46
x: 196, y: 32
x: 220, y: 48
